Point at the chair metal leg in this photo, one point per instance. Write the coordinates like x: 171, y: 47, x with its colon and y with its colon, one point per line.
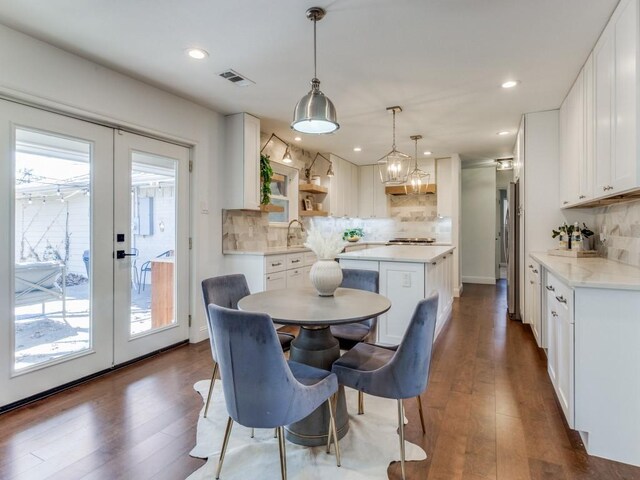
x: 283, y: 453
x: 253, y: 432
x: 225, y: 442
x: 332, y: 428
x: 213, y: 381
x: 275, y: 432
x: 421, y: 413
x: 360, y: 403
x: 401, y: 430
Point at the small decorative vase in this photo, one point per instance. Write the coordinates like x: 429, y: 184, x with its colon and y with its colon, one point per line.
x: 326, y: 276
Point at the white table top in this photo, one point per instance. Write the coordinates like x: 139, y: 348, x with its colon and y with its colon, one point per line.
x: 303, y: 306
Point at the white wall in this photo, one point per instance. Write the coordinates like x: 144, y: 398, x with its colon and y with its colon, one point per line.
x: 38, y: 73
x: 477, y: 244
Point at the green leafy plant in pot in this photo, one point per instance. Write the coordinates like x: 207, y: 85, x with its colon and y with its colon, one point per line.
x: 266, y: 173
x: 353, y: 234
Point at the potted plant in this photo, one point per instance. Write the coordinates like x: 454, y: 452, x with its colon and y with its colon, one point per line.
x: 353, y: 234
x: 266, y: 173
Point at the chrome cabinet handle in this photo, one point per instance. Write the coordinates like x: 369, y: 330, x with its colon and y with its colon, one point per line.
x: 565, y: 202
x: 561, y: 299
x: 581, y: 197
x: 530, y: 266
x: 550, y: 288
x: 531, y: 282
x: 295, y: 261
x: 535, y: 271
x: 554, y: 313
x: 276, y: 264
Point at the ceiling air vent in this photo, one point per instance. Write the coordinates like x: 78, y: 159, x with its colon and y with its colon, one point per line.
x: 235, y: 78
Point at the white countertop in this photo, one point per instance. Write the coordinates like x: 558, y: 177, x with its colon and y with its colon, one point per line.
x: 591, y: 272
x: 399, y: 253
x: 282, y: 250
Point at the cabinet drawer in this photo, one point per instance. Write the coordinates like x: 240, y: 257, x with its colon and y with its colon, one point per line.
x: 295, y: 260
x: 295, y: 278
x: 275, y: 263
x: 310, y: 258
x: 275, y: 281
x: 559, y: 297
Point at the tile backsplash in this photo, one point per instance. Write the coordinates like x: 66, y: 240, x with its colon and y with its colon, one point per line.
x: 621, y: 223
x: 410, y: 216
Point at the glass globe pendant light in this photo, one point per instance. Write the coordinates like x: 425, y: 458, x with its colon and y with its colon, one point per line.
x: 315, y: 113
x: 394, y: 166
x: 416, y: 178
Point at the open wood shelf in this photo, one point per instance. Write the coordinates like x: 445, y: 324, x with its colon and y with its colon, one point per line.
x: 312, y: 188
x: 270, y: 208
x: 401, y: 190
x: 276, y: 177
x: 313, y: 213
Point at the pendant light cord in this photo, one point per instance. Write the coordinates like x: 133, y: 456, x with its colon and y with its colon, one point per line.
x: 315, y: 61
x: 416, y: 157
x: 394, y: 131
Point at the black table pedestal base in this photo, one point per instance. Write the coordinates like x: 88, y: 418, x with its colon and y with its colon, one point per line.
x: 316, y: 346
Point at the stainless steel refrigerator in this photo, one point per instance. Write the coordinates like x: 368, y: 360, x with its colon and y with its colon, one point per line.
x: 512, y: 241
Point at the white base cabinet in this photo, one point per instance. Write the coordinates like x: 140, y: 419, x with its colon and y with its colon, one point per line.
x: 272, y: 272
x: 534, y: 306
x: 405, y: 284
x: 593, y: 357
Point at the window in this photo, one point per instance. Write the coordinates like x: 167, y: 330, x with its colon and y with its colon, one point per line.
x: 284, y: 193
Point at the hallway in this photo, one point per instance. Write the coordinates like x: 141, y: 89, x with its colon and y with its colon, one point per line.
x: 490, y: 412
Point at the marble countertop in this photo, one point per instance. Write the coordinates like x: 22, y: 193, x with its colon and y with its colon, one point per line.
x: 591, y: 272
x: 400, y: 253
x: 283, y: 250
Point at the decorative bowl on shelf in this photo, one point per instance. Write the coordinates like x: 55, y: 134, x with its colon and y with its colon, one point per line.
x: 352, y: 234
x: 353, y: 239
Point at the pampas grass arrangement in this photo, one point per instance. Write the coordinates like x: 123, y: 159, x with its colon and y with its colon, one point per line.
x: 326, y: 244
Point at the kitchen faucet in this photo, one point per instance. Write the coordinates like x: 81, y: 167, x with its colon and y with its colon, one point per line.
x: 289, y: 235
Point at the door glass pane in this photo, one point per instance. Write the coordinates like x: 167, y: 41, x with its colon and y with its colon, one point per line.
x: 153, y: 233
x: 52, y: 295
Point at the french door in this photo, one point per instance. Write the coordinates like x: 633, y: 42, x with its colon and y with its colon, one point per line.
x: 72, y: 195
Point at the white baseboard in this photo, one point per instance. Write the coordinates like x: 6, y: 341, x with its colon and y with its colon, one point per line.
x: 480, y: 280
x: 458, y: 291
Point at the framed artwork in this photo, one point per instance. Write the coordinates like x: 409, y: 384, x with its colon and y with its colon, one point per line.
x: 307, y: 204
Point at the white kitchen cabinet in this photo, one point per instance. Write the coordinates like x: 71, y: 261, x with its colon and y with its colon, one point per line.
x: 560, y: 352
x: 599, y: 141
x: 404, y: 283
x: 518, y: 152
x: 343, y: 188
x: 372, y: 199
x: 270, y: 272
x: 534, y: 316
x: 444, y: 178
x: 242, y: 162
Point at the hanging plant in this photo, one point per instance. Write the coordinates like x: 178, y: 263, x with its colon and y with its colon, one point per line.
x: 266, y: 172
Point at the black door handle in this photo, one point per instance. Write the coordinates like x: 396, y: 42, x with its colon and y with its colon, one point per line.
x: 120, y: 254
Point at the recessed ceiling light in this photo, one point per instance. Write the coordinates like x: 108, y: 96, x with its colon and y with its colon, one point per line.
x: 197, y: 53
x: 504, y: 132
x: 510, y: 84
x: 426, y: 153
x: 297, y: 139
x: 357, y: 149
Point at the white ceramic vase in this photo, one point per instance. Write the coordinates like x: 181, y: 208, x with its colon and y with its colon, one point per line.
x: 326, y: 276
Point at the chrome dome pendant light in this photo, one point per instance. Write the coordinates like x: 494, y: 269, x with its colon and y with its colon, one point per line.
x: 416, y: 178
x: 394, y: 166
x: 315, y: 113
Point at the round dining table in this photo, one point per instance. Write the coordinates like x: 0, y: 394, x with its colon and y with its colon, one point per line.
x: 315, y: 345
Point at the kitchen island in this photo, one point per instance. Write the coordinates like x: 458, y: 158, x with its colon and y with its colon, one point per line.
x: 408, y: 274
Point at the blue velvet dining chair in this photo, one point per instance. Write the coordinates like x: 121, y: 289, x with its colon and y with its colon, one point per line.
x: 399, y: 374
x: 261, y: 388
x: 350, y: 334
x: 226, y: 291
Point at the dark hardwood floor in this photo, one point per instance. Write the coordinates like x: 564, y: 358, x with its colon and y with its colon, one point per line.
x: 490, y: 411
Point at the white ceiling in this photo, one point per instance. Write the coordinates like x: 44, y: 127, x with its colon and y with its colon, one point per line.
x: 442, y: 60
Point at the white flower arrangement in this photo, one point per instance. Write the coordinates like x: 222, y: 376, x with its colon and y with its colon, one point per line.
x: 325, y: 244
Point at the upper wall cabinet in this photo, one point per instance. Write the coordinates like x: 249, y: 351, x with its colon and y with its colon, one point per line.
x: 343, y: 188
x: 242, y: 162
x: 598, y: 126
x: 372, y: 200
